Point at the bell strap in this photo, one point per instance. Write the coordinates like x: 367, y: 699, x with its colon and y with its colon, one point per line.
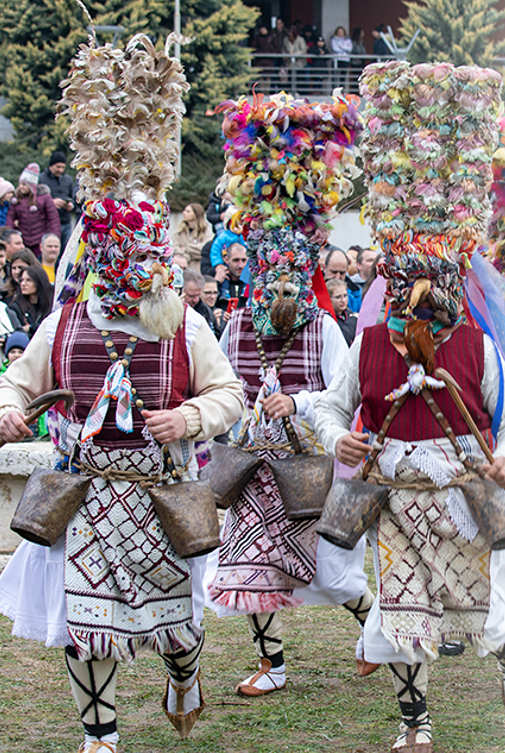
x: 135, y: 398
x: 125, y: 360
x: 379, y: 442
x: 286, y: 422
x: 282, y: 355
x: 449, y: 433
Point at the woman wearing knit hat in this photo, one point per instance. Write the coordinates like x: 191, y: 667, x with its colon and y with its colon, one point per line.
x: 6, y: 192
x: 33, y: 215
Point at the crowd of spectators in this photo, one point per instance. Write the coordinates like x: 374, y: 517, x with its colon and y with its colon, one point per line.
x: 36, y: 219
x: 348, y: 275
x: 312, y: 57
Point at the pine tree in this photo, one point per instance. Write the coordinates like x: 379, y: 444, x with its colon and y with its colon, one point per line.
x: 38, y: 39
x: 217, y: 67
x: 455, y: 31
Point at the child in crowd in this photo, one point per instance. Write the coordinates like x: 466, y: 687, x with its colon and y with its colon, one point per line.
x: 14, y: 349
x: 6, y: 194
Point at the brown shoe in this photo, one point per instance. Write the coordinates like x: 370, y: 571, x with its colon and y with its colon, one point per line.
x: 366, y: 668
x: 270, y: 681
x: 182, y: 722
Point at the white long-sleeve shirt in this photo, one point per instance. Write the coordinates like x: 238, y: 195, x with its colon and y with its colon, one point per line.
x: 333, y: 352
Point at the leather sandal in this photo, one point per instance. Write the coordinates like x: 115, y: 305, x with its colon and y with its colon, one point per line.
x: 182, y: 722
x: 411, y: 746
x: 365, y: 668
x: 248, y: 688
x: 95, y: 746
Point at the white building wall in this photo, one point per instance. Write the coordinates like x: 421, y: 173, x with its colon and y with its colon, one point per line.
x: 334, y: 13
x: 348, y: 231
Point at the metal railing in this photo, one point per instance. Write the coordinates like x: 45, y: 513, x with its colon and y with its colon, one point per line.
x: 308, y: 76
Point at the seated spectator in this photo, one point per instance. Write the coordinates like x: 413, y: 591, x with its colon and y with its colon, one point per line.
x: 346, y: 319
x: 31, y: 214
x: 336, y: 268
x: 50, y: 247
x: 192, y: 234
x: 364, y: 262
x: 13, y: 241
x: 192, y: 291
x: 219, y: 201
x: 20, y: 261
x: 233, y: 292
x: 6, y: 194
x: 209, y: 296
x: 34, y: 300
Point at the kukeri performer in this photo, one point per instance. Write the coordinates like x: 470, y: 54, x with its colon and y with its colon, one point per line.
x: 288, y: 164
x: 149, y: 379
x: 437, y: 577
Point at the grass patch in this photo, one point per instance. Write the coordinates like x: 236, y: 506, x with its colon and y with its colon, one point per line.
x: 325, y: 708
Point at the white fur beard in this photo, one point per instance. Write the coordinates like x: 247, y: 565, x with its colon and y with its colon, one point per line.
x: 161, y: 310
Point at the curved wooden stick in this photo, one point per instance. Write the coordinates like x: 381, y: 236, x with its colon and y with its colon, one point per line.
x: 454, y: 390
x: 43, y: 403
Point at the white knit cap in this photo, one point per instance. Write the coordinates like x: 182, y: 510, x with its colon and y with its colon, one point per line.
x: 30, y: 175
x: 5, y: 187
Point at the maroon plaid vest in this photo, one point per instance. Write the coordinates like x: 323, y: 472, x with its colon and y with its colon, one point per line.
x: 382, y: 369
x: 301, y: 369
x: 159, y: 372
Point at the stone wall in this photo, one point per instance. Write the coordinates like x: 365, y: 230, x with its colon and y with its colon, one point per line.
x: 17, y: 461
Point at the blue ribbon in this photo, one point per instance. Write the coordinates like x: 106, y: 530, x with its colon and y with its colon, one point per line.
x: 495, y: 425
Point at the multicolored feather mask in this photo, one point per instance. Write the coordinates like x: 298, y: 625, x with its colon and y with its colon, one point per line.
x: 427, y: 148
x: 289, y: 163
